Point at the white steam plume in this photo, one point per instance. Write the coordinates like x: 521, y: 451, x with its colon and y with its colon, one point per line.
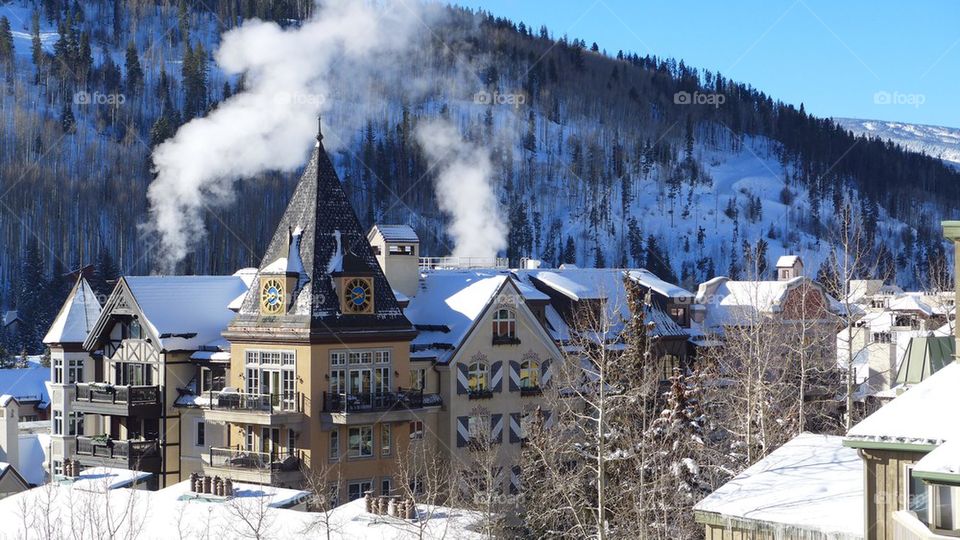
x: 464, y: 190
x: 269, y: 126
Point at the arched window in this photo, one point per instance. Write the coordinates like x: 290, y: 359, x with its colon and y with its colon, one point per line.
x: 504, y: 325
x: 529, y: 374
x: 478, y: 377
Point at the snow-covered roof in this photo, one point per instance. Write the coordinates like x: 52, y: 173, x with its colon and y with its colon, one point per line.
x: 910, y: 302
x: 32, y: 462
x: 729, y: 302
x: 606, y: 284
x: 812, y: 483
x: 273, y: 497
x: 217, y: 350
x: 10, y: 316
x: 77, y: 316
x: 395, y: 233
x: 452, y: 300
x: 186, y: 311
x: 787, y: 261
x: 100, y: 479
x: 649, y: 280
x: 944, y: 460
x: 26, y: 384
x: 917, y: 415
x: 156, y: 515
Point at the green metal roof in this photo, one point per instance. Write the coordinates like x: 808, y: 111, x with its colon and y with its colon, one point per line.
x: 924, y: 357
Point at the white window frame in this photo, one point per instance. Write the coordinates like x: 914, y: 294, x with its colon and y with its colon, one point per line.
x: 510, y: 320
x: 935, y: 508
x: 386, y: 482
x: 333, y: 454
x: 74, y: 372
x: 360, y: 448
x: 532, y: 370
x: 476, y: 369
x: 418, y: 379
x: 348, y: 368
x: 57, y: 422
x: 75, y: 423
x: 58, y: 371
x: 360, y: 483
x: 250, y: 438
x: 259, y: 362
x: 908, y: 477
x: 416, y: 434
x: 386, y: 439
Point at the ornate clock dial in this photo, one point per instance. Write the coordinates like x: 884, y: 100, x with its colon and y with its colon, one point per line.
x: 271, y: 296
x: 357, y: 295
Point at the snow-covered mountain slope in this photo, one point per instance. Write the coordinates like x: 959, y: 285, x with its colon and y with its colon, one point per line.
x: 937, y: 141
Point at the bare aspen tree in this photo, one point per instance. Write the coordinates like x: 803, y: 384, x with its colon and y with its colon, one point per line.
x: 423, y: 476
x: 323, y: 480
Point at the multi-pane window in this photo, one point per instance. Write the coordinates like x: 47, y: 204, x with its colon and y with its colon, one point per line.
x: 200, y: 438
x: 360, y: 441
x: 58, y: 422
x: 416, y: 430
x: 478, y: 426
x: 334, y: 444
x: 57, y: 370
x: 529, y: 374
x: 385, y: 486
x: 212, y: 379
x: 291, y: 442
x: 386, y: 439
x: 504, y: 324
x: 249, y: 438
x: 477, y: 377
x: 272, y: 373
x: 360, y: 372
x: 74, y: 371
x: 418, y: 379
x: 134, y: 373
x: 75, y: 423
x: 355, y: 490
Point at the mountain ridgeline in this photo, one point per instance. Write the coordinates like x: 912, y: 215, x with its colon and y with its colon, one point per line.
x: 611, y: 159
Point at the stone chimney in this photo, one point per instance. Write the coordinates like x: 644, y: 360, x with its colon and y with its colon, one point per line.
x: 10, y: 430
x: 789, y: 267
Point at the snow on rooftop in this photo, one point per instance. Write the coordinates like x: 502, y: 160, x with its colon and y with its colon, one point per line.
x: 396, y: 233
x: 812, y: 482
x: 32, y: 461
x: 151, y: 515
x: 77, y: 316
x: 910, y: 302
x: 649, y: 280
x: 451, y: 298
x: 916, y: 416
x: 176, y: 306
x: 787, y: 261
x: 273, y: 497
x: 945, y: 459
x: 100, y: 479
x: 26, y: 384
x: 731, y: 302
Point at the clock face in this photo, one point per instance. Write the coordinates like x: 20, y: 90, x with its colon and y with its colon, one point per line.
x: 271, y: 296
x: 357, y: 296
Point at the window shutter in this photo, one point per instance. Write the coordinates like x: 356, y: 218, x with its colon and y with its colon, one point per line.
x: 462, y: 379
x: 547, y: 419
x: 545, y: 373
x: 513, y: 384
x: 463, y: 431
x: 514, y: 428
x: 496, y: 376
x: 514, y: 479
x: 496, y: 428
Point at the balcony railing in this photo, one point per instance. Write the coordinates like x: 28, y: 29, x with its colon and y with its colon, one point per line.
x: 106, y: 448
x: 433, y: 263
x: 378, y: 401
x: 235, y: 458
x: 108, y: 393
x: 267, y: 403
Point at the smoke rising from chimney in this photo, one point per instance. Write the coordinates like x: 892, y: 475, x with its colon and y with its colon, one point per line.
x: 464, y: 190
x: 271, y: 123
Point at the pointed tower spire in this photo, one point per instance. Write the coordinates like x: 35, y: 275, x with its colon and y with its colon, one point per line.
x: 319, y: 130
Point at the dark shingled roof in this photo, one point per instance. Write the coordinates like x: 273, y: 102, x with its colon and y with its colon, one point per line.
x: 317, y: 210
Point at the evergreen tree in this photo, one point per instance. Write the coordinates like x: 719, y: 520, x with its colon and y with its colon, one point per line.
x: 520, y: 237
x: 67, y: 121
x: 599, y: 261
x: 635, y: 241
x: 30, y: 298
x: 36, y: 44
x: 658, y: 261
x: 569, y: 255
x: 6, y: 42
x: 133, y: 69
x: 105, y: 273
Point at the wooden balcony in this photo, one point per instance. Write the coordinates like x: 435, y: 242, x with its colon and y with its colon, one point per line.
x: 256, y: 467
x: 108, y: 399
x: 258, y: 409
x: 377, y: 406
x: 141, y: 455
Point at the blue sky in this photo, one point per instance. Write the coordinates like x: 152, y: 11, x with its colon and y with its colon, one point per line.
x: 879, y: 59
